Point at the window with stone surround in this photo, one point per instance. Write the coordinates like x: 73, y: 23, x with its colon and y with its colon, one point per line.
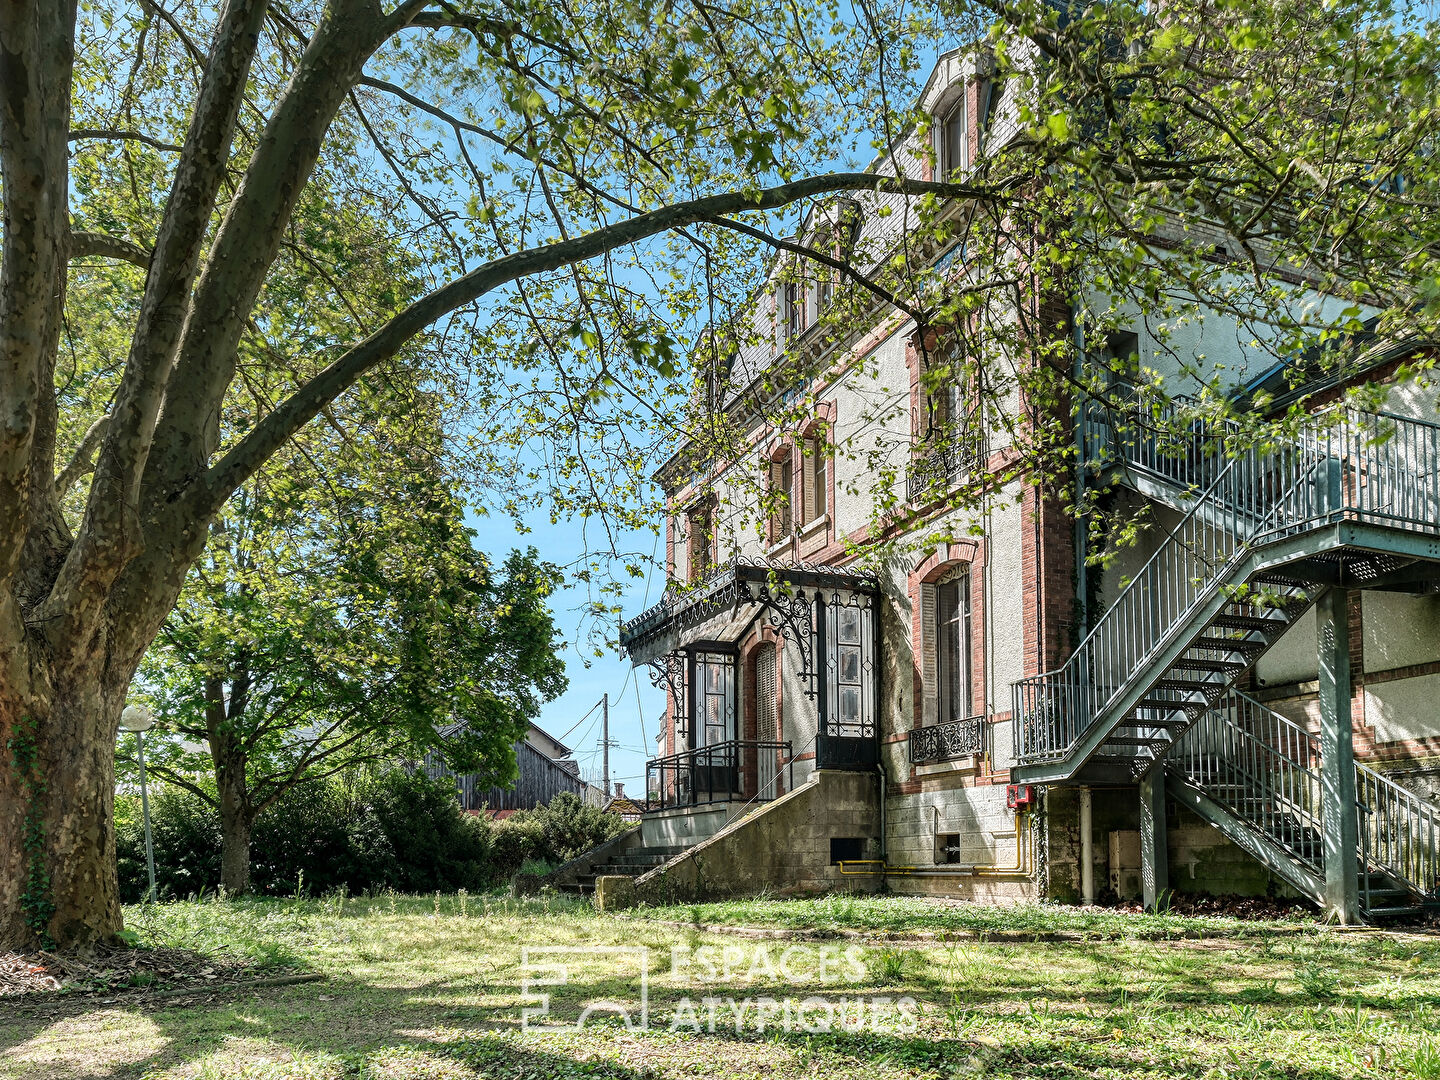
x: 703, y: 540
x: 952, y: 637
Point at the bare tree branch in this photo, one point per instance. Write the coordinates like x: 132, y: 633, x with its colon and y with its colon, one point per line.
x: 90, y: 244
x: 79, y: 134
x: 257, y: 446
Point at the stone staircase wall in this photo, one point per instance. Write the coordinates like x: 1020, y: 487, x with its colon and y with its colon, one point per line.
x: 782, y: 847
x: 567, y: 874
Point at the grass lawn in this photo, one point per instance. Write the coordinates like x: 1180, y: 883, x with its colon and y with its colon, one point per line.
x: 905, y: 916
x: 430, y: 987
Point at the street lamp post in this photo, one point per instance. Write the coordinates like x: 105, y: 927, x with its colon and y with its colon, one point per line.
x: 139, y: 719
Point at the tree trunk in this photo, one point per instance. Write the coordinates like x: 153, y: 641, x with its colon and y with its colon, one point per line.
x: 234, y: 852
x: 236, y: 813
x: 58, y: 887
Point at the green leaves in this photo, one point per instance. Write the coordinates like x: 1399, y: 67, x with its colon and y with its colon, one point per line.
x: 1247, y: 37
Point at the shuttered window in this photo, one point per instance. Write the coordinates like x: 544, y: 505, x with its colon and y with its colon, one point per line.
x: 767, y: 711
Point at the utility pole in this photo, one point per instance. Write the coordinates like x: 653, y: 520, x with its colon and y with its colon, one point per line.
x: 605, y: 742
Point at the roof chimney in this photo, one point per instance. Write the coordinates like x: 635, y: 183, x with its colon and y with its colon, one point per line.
x: 619, y: 790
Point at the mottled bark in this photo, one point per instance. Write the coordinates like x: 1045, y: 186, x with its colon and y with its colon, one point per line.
x: 58, y: 788
x: 78, y: 611
x: 237, y: 814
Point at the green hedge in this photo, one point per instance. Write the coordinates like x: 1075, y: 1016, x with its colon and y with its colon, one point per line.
x: 398, y: 830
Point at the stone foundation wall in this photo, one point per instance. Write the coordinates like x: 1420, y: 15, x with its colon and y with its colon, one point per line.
x: 1201, y: 858
x: 986, y: 828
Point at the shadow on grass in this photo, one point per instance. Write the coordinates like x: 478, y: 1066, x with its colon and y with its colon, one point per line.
x: 345, y: 1026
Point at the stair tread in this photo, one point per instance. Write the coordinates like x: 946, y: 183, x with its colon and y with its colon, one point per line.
x: 1168, y: 704
x: 1194, y: 686
x: 1120, y: 759
x: 1202, y: 664
x: 1228, y: 644
x: 1248, y: 622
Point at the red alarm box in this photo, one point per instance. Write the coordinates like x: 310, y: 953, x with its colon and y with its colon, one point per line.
x: 1019, y: 796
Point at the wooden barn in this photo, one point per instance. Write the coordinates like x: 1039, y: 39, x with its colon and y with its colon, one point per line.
x: 545, y: 770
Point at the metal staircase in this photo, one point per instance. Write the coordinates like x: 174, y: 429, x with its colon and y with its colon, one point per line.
x: 1263, y: 532
x: 1255, y: 775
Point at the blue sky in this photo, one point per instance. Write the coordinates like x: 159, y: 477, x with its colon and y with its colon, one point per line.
x: 634, y: 719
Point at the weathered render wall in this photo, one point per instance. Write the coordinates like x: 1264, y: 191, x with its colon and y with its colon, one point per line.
x: 1211, y: 341
x: 1395, y: 671
x: 1201, y: 859
x: 783, y: 847
x: 987, y: 831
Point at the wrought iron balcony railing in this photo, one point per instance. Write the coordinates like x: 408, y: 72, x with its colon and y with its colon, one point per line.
x: 948, y: 741
x: 932, y: 473
x: 733, y: 771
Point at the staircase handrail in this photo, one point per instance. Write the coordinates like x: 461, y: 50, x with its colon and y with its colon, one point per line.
x: 1199, y: 520
x: 1399, y: 831
x: 1260, y: 495
x: 1415, y: 859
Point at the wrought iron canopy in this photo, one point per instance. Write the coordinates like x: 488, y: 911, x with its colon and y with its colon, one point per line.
x: 784, y: 590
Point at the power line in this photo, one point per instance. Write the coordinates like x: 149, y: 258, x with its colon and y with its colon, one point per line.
x: 579, y: 722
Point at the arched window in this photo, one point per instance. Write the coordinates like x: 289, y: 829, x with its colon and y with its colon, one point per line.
x: 952, y: 648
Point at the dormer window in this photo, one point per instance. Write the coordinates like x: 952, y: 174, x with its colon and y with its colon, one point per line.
x: 794, y: 309
x: 952, y: 147
x: 704, y: 540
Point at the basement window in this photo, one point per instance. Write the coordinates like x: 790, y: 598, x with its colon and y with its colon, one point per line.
x: 846, y: 849
x: 947, y: 848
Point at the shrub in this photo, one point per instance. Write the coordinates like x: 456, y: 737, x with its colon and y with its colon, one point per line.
x: 310, y: 828
x: 512, y: 842
x: 396, y: 830
x: 186, y: 836
x: 569, y: 826
x: 433, y: 843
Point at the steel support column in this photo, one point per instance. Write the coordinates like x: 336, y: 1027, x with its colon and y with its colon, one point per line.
x: 1154, y: 851
x: 1337, y: 759
x: 1087, y: 847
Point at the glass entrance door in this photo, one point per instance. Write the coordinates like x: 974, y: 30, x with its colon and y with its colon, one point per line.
x: 715, y: 762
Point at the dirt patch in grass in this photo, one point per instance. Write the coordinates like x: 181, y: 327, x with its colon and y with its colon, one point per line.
x: 108, y: 971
